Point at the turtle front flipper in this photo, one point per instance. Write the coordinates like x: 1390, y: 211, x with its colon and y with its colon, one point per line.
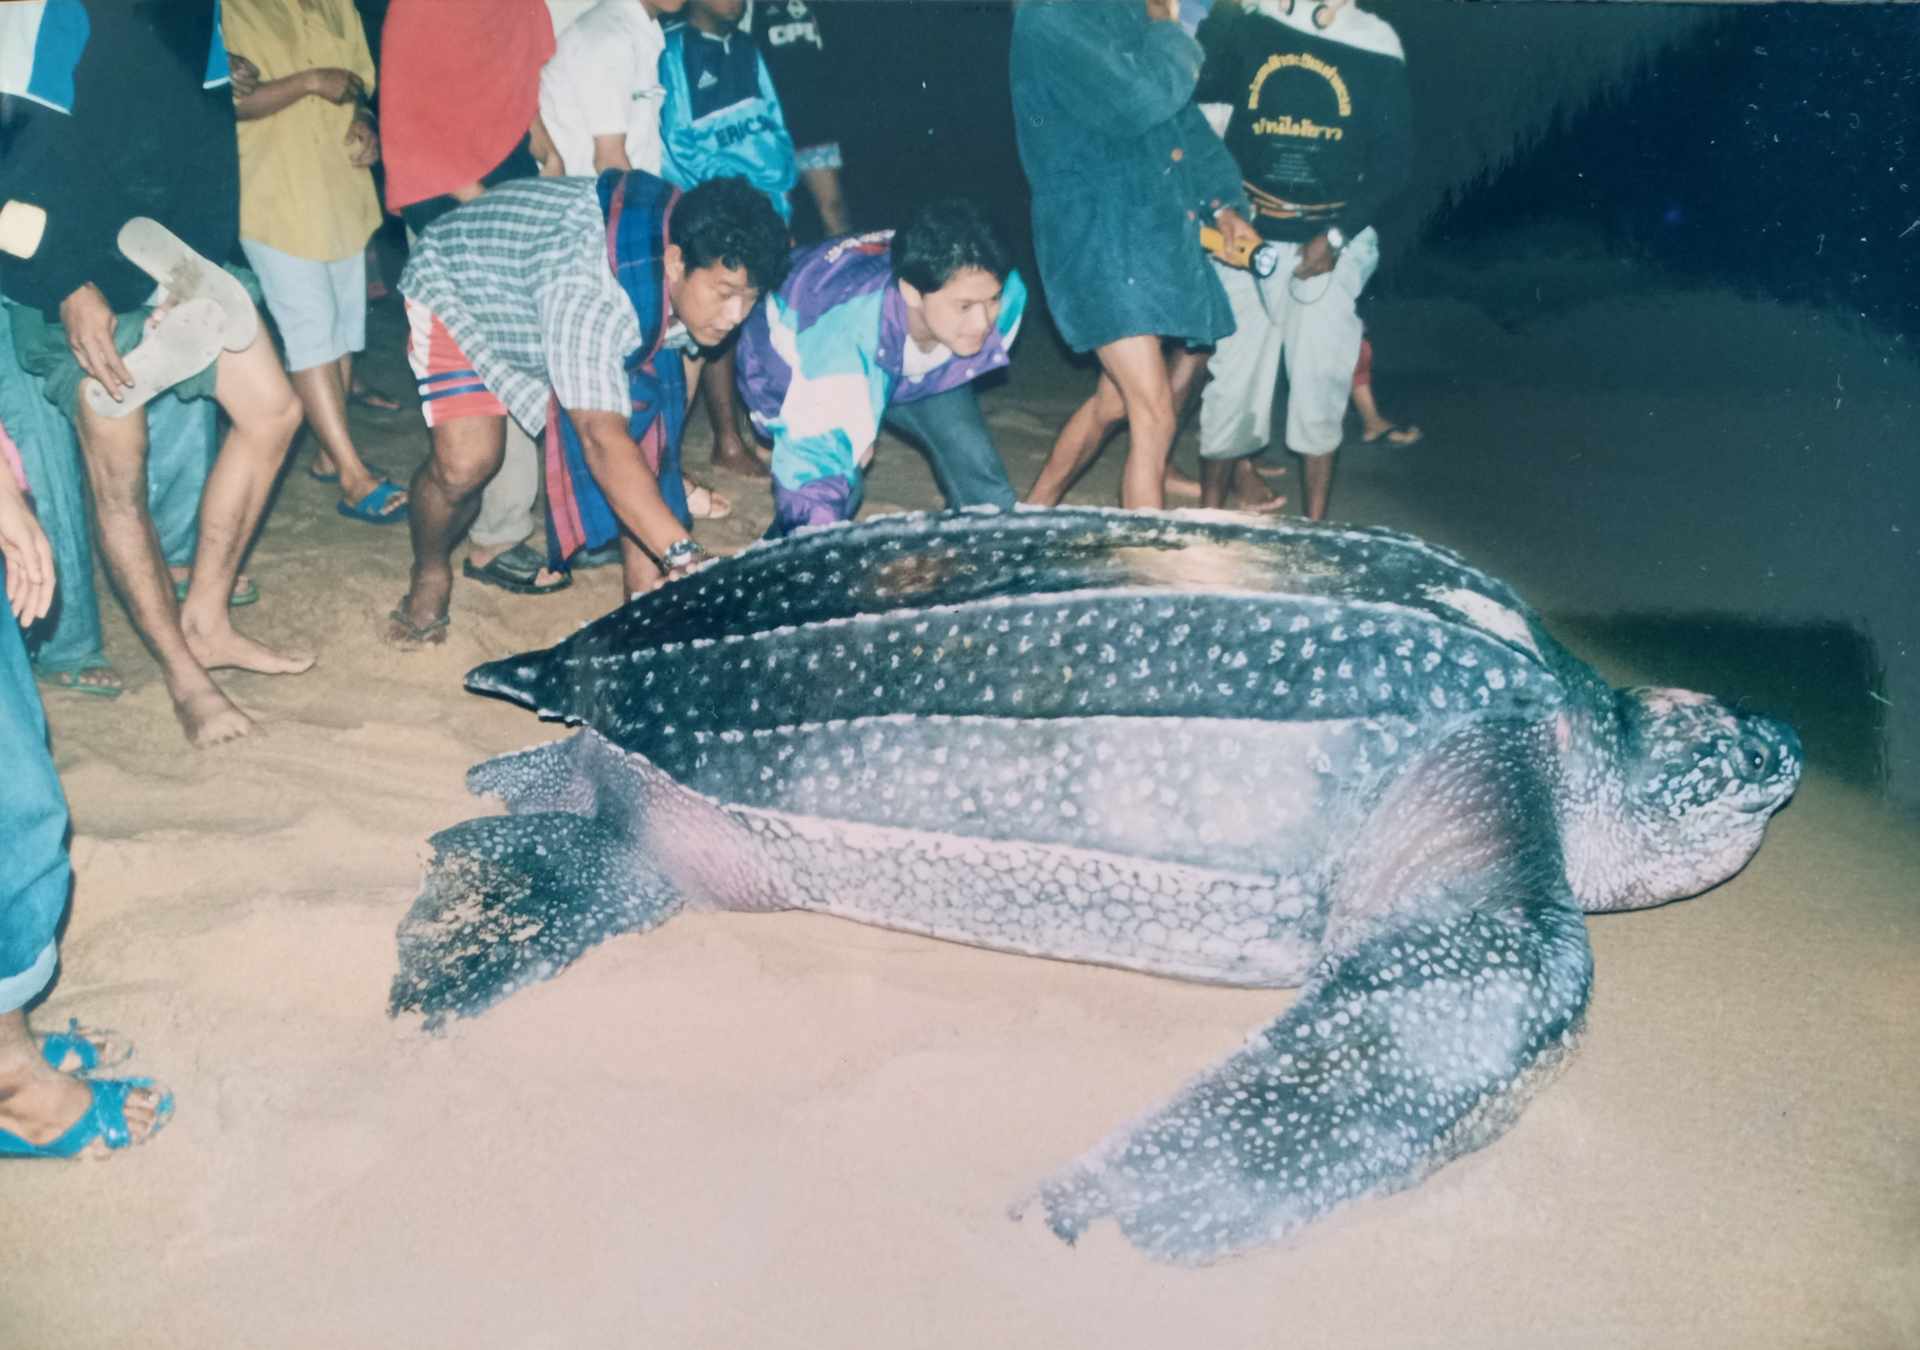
x: 600, y: 843
x: 513, y: 900
x: 1420, y: 1045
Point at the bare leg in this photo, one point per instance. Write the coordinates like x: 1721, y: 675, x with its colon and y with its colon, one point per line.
x: 824, y: 186
x: 1318, y: 479
x: 260, y: 404
x: 186, y: 641
x: 446, y: 498
x: 39, y: 1103
x: 1078, y: 443
x: 1183, y: 373
x: 323, y: 395
x: 1138, y: 370
x: 729, y: 450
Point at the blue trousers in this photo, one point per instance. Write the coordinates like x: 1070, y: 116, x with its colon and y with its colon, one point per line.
x: 35, y: 875
x: 181, y: 446
x: 950, y: 429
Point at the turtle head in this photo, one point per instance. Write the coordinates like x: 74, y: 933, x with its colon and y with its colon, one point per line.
x: 1694, y: 783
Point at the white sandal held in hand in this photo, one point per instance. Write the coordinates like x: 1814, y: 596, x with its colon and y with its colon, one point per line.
x: 164, y: 256
x: 185, y: 342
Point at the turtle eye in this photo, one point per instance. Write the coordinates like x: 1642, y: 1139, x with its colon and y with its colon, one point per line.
x: 1753, y: 758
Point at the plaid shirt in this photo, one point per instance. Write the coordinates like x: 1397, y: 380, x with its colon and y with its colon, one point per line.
x: 520, y: 278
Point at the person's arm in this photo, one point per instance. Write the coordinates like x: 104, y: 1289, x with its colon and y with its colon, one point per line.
x: 24, y: 546
x: 1389, y: 156
x: 271, y: 96
x: 620, y: 469
x: 1121, y: 87
x: 610, y: 152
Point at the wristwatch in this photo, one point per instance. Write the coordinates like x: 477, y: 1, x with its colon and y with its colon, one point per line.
x: 681, y: 553
x: 1335, y: 240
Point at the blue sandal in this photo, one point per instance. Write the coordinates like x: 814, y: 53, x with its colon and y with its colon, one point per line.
x: 369, y: 509
x: 105, y: 1120
x: 83, y: 1043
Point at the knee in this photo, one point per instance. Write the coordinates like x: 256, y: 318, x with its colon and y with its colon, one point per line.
x: 459, y: 473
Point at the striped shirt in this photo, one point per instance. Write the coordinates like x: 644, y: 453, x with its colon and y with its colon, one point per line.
x: 521, y: 280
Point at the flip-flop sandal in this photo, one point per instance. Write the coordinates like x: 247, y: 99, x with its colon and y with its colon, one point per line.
x: 366, y: 396
x: 368, y: 508
x: 245, y: 592
x: 429, y: 634
x: 105, y: 1120
x: 607, y: 555
x: 515, y: 571
x: 1396, y: 435
x: 75, y: 682
x: 716, y: 507
x: 21, y: 226
x: 92, y: 1048
x: 182, y: 344
x: 164, y: 256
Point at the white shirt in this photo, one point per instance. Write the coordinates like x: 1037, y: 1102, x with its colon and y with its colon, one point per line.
x: 603, y: 80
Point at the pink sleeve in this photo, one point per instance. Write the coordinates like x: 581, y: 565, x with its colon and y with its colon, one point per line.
x: 10, y: 456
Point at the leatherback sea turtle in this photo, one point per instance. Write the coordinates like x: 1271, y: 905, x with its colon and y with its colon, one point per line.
x: 1190, y: 744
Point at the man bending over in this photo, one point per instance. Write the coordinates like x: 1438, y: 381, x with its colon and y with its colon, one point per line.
x: 602, y: 291
x: 887, y: 327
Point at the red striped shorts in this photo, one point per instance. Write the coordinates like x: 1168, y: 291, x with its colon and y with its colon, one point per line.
x: 449, y: 385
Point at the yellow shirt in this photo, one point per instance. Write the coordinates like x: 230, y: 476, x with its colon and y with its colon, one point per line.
x: 298, y: 191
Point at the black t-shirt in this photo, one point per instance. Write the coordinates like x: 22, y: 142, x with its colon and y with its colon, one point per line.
x: 793, y: 43
x: 145, y: 138
x: 1323, y: 121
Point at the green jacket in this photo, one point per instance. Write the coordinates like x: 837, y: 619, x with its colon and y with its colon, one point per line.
x: 1124, y: 171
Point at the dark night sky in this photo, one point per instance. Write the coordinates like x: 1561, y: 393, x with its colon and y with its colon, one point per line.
x: 1773, y: 149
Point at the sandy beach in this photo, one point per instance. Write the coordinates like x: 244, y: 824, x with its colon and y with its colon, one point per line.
x: 786, y: 1130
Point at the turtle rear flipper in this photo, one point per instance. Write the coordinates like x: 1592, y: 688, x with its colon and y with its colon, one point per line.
x: 1421, y: 1045
x: 513, y: 900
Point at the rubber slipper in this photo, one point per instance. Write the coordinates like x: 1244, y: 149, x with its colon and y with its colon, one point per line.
x: 93, y: 1047
x: 105, y: 1120
x: 73, y: 682
x: 368, y: 508
x: 368, y: 397
x: 431, y: 633
x: 515, y: 571
x: 1396, y: 435
x: 245, y: 592
x: 607, y: 555
x: 703, y: 503
x: 164, y: 256
x: 182, y: 344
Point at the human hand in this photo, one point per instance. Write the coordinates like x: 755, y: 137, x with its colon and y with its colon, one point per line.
x: 1316, y: 258
x: 244, y: 76
x: 88, y: 319
x: 334, y: 84
x: 29, y: 557
x: 363, y: 144
x: 1238, y: 236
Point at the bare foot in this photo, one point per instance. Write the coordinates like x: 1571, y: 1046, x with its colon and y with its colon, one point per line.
x: 1270, y: 506
x: 1395, y: 434
x: 48, y: 1104
x: 210, y: 719
x: 738, y: 459
x: 229, y: 649
x: 1177, y: 484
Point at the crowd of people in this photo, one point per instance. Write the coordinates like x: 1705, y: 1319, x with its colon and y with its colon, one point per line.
x: 599, y: 202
